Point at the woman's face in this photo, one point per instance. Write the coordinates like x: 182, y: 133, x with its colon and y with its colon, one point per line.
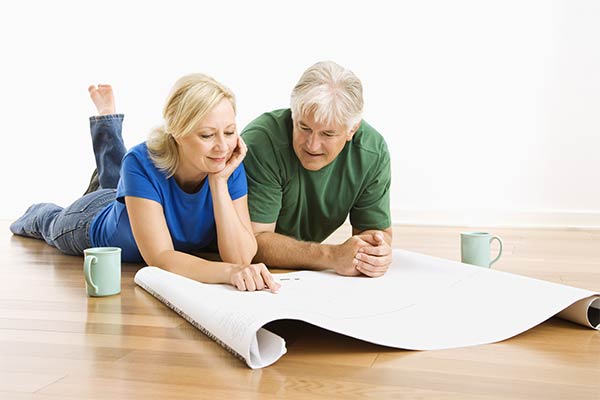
x: 208, y: 147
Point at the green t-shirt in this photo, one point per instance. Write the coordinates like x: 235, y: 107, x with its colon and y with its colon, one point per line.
x: 310, y: 205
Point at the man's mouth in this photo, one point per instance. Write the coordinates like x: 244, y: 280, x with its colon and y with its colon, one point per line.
x: 313, y: 154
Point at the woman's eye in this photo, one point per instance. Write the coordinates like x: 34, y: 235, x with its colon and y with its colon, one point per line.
x: 229, y: 133
x: 206, y: 136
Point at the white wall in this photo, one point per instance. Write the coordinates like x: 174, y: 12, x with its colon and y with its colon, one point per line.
x: 491, y: 109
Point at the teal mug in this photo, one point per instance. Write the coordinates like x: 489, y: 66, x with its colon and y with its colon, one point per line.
x: 102, y: 271
x: 475, y: 248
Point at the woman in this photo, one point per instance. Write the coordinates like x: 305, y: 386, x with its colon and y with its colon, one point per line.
x: 167, y: 197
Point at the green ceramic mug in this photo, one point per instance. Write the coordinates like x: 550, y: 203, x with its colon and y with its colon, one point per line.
x: 475, y: 248
x: 102, y: 271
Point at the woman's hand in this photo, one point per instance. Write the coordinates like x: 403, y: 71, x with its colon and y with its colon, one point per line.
x: 252, y: 277
x: 234, y: 161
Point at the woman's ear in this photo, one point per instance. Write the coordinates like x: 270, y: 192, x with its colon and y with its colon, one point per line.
x: 176, y: 140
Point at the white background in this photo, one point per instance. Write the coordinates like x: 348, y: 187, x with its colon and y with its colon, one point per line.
x: 491, y: 109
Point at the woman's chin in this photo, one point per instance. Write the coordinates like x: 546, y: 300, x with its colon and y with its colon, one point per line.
x: 216, y: 165
x: 215, y: 169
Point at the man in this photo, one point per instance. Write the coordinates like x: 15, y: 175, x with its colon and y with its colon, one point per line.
x: 310, y: 166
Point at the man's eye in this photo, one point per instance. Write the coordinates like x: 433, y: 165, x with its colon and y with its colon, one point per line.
x: 305, y: 128
x: 229, y: 133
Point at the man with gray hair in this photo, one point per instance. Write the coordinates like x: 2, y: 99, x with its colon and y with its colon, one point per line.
x: 311, y: 166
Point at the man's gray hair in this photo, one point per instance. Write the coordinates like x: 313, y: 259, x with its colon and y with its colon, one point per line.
x: 332, y: 93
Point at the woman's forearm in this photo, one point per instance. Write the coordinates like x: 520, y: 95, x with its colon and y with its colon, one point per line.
x: 192, y: 267
x: 236, y: 240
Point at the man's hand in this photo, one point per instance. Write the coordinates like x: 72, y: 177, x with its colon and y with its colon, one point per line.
x: 375, y: 258
x: 344, y: 256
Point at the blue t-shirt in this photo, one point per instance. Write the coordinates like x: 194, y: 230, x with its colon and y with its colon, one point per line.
x: 190, y: 217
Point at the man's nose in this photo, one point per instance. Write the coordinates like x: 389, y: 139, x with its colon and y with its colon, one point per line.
x: 313, y: 142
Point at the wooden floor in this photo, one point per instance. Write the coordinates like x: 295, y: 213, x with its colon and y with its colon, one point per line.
x: 57, y: 343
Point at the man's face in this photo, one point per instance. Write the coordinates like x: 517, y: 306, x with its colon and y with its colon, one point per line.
x: 317, y: 145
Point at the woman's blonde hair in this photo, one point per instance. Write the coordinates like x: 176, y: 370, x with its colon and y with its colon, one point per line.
x: 192, y: 97
x: 333, y: 94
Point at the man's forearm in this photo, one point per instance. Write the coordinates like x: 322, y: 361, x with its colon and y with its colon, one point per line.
x: 276, y: 250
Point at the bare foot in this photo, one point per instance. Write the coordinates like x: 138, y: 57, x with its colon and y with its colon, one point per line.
x: 103, y: 99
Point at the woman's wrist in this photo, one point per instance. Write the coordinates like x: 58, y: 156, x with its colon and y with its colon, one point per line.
x: 217, y: 184
x: 217, y: 179
x: 226, y: 273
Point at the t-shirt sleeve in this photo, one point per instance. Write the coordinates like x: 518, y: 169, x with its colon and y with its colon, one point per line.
x: 135, y: 181
x: 237, y: 184
x: 264, y: 181
x: 372, y: 209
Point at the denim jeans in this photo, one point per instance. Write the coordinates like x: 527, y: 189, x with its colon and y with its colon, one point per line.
x: 68, y: 229
x: 109, y: 149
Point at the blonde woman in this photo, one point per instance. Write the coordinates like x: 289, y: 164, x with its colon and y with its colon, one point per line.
x: 175, y: 194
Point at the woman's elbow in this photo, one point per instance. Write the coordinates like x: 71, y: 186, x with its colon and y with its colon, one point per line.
x: 156, y: 260
x: 244, y: 257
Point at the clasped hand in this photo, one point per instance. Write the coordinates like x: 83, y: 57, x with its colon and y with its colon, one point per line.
x: 368, y: 254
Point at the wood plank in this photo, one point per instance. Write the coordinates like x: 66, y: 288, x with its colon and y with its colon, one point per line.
x: 26, y: 381
x: 57, y: 343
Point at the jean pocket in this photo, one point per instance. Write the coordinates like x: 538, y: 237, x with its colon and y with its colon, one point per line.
x: 73, y: 218
x: 72, y: 241
x: 78, y: 207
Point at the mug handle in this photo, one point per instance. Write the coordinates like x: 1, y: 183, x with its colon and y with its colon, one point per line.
x: 499, y: 252
x: 87, y: 271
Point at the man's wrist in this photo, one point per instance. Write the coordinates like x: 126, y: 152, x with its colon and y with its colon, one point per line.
x: 326, y: 255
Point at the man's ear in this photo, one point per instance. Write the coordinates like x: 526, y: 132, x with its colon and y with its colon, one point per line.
x: 353, y: 131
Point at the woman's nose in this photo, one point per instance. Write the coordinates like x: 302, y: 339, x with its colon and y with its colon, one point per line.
x: 220, y: 142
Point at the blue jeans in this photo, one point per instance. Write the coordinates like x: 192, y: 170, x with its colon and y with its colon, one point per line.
x: 68, y: 229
